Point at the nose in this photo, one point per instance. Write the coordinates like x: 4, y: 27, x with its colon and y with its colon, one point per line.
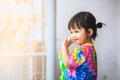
x: 73, y: 36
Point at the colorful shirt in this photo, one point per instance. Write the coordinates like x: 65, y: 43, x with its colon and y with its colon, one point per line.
x: 84, y: 64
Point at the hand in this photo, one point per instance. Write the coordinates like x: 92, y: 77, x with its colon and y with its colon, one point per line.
x: 67, y: 42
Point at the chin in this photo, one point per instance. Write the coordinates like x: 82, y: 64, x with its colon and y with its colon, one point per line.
x: 77, y: 43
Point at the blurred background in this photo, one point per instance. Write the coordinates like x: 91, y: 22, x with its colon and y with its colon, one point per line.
x: 22, y: 44
x: 31, y: 33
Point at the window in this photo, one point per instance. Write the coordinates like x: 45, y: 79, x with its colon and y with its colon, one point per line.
x: 22, y: 45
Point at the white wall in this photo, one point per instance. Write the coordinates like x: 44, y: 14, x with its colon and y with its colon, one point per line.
x: 107, y: 41
x: 118, y: 25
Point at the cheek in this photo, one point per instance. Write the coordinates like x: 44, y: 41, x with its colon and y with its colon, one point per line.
x: 74, y: 36
x: 82, y: 37
x: 79, y: 36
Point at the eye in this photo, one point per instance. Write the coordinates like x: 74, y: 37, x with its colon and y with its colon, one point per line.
x: 76, y: 31
x: 71, y: 32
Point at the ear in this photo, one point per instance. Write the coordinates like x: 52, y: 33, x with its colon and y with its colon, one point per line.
x: 90, y: 32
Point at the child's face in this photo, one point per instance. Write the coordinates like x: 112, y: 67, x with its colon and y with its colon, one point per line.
x: 79, y: 35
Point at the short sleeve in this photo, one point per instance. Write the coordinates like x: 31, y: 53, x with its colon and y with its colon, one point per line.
x: 78, y: 57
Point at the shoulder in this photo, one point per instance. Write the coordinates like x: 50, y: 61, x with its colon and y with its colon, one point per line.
x: 83, y: 49
x: 87, y: 46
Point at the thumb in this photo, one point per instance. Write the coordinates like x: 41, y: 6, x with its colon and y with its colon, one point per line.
x: 73, y: 41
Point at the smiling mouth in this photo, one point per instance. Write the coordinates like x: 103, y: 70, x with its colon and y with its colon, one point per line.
x: 75, y: 39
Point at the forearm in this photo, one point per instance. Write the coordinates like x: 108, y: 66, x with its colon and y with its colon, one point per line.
x: 65, y: 56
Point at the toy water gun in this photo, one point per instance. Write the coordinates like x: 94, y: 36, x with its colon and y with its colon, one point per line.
x: 62, y: 67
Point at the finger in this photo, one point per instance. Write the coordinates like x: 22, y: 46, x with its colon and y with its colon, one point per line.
x: 73, y: 41
x: 65, y: 39
x: 69, y: 38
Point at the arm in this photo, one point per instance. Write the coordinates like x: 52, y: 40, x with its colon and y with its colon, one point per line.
x: 66, y: 56
x: 77, y: 57
x: 65, y: 52
x: 62, y: 67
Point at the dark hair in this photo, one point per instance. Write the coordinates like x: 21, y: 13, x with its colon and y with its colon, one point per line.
x: 85, y: 20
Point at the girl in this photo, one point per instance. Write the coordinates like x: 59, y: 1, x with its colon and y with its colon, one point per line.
x: 81, y: 63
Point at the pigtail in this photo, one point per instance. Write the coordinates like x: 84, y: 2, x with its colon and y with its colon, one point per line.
x: 99, y: 25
